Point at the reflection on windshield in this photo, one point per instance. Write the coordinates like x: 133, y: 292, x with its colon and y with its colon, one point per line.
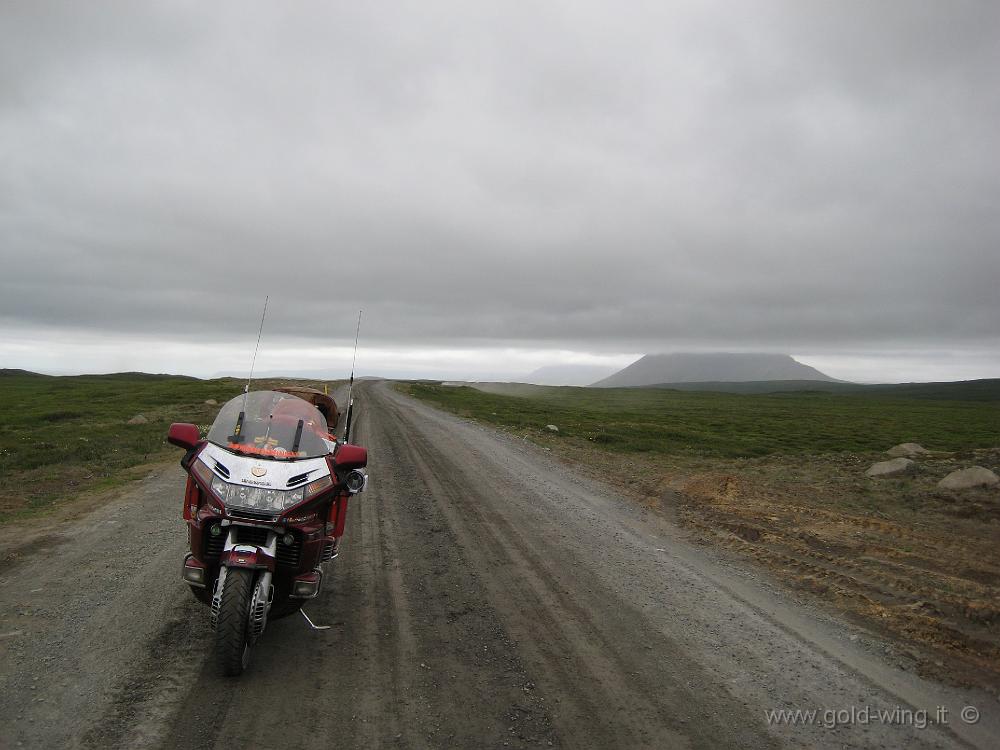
x: 271, y: 424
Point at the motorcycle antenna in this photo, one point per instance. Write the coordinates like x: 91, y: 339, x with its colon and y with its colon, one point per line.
x: 350, y: 389
x: 235, y: 437
x: 253, y: 361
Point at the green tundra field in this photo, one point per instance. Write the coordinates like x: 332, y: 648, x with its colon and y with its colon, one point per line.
x: 655, y: 420
x: 60, y: 436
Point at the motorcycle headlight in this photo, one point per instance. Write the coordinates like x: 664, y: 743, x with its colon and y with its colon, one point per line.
x: 256, y: 498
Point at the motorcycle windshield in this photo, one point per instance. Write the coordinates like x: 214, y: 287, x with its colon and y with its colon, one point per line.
x: 271, y: 424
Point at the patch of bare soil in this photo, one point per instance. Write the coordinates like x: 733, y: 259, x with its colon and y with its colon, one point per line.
x: 38, y: 533
x: 916, y: 564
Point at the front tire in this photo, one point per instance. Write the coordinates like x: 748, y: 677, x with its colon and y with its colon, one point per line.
x: 232, y: 648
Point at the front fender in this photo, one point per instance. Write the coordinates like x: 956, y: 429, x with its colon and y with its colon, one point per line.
x: 247, y: 556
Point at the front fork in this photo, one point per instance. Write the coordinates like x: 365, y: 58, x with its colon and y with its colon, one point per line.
x: 235, y: 555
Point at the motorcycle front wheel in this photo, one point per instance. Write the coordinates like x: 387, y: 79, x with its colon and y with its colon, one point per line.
x: 232, y: 647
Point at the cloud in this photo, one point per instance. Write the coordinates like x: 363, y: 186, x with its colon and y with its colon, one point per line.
x: 582, y: 177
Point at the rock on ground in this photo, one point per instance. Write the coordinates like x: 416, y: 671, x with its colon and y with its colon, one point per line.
x: 211, y: 402
x: 552, y: 428
x: 891, y: 468
x: 138, y: 419
x: 907, y: 450
x: 963, y: 479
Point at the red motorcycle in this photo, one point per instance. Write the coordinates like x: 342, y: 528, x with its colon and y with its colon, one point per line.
x: 265, y: 506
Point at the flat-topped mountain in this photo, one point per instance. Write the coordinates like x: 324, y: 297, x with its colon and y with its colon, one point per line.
x: 718, y: 367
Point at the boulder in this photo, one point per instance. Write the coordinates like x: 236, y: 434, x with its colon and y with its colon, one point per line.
x: 891, y: 468
x: 211, y: 402
x: 963, y: 479
x: 907, y: 450
x: 138, y: 419
x: 551, y: 428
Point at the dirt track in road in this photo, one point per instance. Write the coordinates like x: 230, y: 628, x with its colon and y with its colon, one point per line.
x: 485, y: 597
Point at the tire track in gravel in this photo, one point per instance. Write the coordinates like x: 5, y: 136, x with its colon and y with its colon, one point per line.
x: 452, y: 651
x: 571, y: 630
x: 152, y: 693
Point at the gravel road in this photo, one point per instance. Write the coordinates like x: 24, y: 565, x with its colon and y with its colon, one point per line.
x: 485, y: 597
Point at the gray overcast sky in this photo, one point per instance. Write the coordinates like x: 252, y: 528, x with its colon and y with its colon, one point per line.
x: 500, y: 186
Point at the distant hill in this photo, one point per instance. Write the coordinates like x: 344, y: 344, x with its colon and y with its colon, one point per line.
x: 985, y: 389
x: 8, y: 372
x: 762, y: 386
x: 15, y: 373
x: 136, y: 376
x: 960, y: 390
x: 654, y: 369
x: 567, y: 374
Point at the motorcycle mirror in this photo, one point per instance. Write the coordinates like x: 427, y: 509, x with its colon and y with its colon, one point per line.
x: 351, y: 456
x: 183, y: 435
